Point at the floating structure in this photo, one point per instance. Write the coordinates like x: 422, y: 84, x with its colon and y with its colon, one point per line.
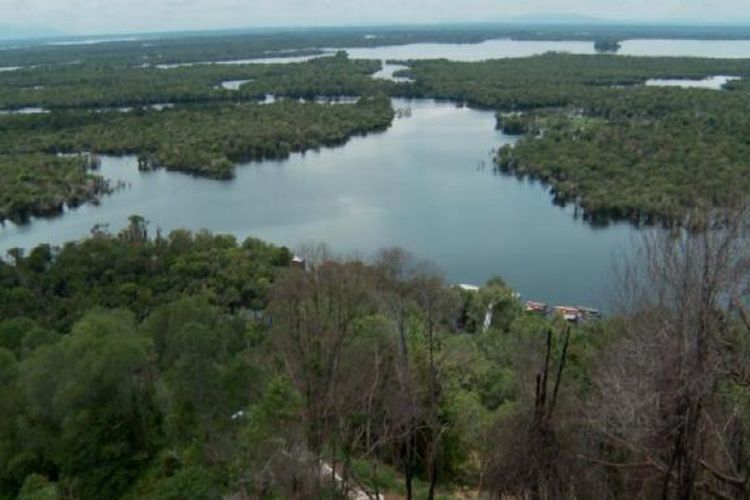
x: 468, y: 288
x: 573, y: 314
x: 299, y: 263
x: 536, y: 307
x: 568, y: 313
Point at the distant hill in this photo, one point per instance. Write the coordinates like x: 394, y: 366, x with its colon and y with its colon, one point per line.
x: 560, y: 18
x: 580, y: 19
x: 8, y: 32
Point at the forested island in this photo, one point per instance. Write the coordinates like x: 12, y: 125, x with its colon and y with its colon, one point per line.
x: 605, y: 142
x: 617, y: 149
x: 209, y: 131
x: 607, y: 45
x: 38, y: 184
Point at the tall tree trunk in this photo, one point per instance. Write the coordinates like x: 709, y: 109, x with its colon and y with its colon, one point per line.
x: 433, y: 476
x: 409, y: 466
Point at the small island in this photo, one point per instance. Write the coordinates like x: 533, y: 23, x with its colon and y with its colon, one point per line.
x: 607, y: 46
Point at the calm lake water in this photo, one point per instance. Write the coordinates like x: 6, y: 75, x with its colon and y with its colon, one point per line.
x: 711, y: 83
x: 491, y: 49
x: 425, y: 185
x: 95, y: 41
x: 233, y: 84
x: 726, y: 49
x: 239, y: 62
x: 504, y: 48
x: 501, y: 49
x: 388, y: 72
x: 24, y: 111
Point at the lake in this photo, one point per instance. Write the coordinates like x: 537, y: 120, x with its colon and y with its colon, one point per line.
x: 725, y: 49
x: 24, y: 111
x: 388, y: 72
x: 490, y: 49
x: 711, y: 83
x: 506, y: 48
x: 238, y: 62
x: 233, y: 84
x: 426, y: 185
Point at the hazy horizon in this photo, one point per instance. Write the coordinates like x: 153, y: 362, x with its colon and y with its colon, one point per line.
x: 97, y: 17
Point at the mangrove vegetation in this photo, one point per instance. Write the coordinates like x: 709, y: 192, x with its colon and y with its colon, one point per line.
x: 604, y: 141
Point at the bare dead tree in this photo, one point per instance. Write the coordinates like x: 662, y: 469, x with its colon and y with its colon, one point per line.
x: 528, y: 462
x: 344, y: 330
x: 365, y: 423
x: 314, y: 314
x: 660, y: 410
x: 397, y: 269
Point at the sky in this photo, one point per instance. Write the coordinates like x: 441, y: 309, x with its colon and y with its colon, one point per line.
x: 129, y: 16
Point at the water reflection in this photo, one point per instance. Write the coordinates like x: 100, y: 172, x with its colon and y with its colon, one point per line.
x: 425, y: 185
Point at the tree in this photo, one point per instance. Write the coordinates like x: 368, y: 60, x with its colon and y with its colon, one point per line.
x: 137, y: 230
x: 396, y: 270
x: 273, y: 458
x: 438, y: 307
x: 37, y: 487
x: 672, y: 397
x: 529, y: 460
x: 314, y: 316
x: 90, y: 398
x: 195, y: 346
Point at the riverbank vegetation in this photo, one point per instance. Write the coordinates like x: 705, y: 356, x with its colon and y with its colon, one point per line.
x: 42, y: 185
x: 90, y: 86
x: 206, y: 140
x: 605, y: 142
x: 201, y: 140
x: 644, y: 171
x: 607, y: 45
x: 207, y: 133
x: 646, y: 154
x: 231, y: 45
x: 144, y: 365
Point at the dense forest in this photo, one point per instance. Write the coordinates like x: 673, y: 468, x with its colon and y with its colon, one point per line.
x: 191, y: 365
x: 143, y: 365
x: 37, y: 184
x: 203, y: 140
x: 180, y: 119
x: 642, y: 170
x: 604, y: 141
x: 90, y: 85
x: 614, y: 147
